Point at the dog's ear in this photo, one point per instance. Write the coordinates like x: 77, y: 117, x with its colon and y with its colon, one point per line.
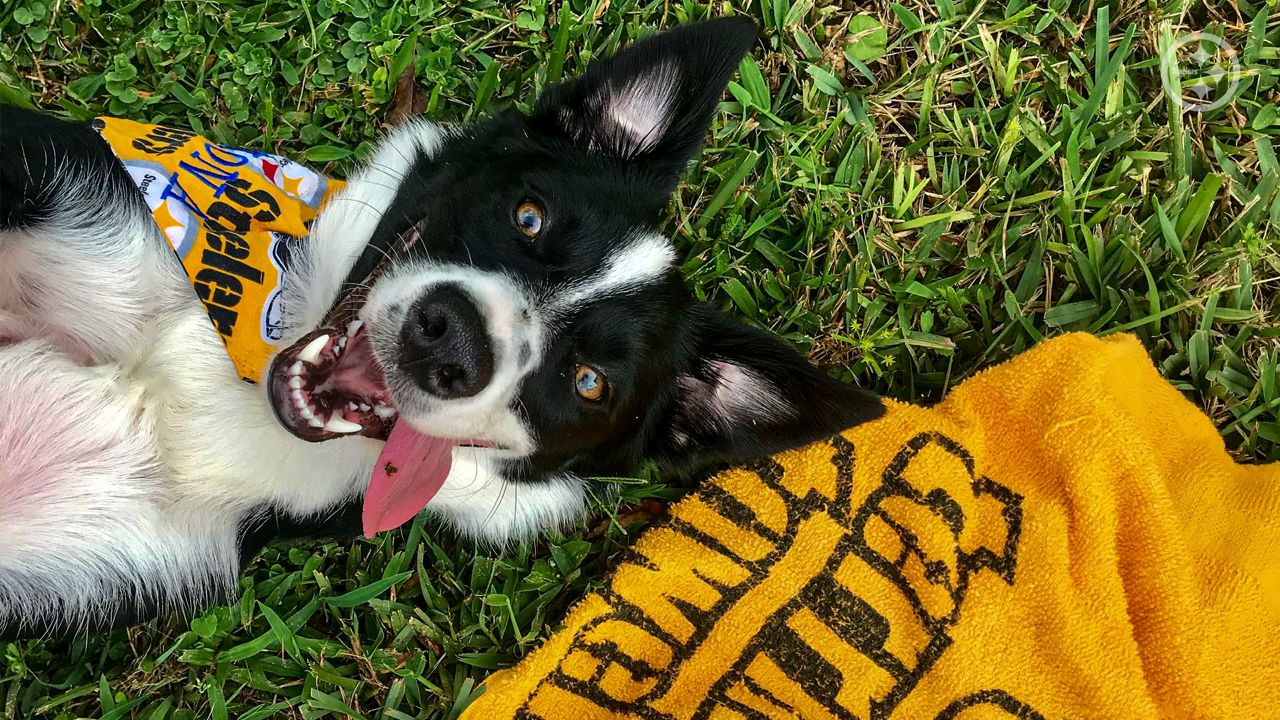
x: 651, y: 104
x: 748, y: 394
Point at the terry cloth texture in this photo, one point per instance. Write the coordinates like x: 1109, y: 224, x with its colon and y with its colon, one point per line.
x: 1063, y: 537
x: 230, y: 215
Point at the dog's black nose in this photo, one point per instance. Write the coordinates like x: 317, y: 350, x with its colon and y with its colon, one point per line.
x: 444, y: 344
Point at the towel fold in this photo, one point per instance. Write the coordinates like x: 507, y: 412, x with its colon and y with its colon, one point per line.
x: 1064, y: 536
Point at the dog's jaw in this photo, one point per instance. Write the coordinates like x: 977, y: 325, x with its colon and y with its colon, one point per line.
x: 478, y: 499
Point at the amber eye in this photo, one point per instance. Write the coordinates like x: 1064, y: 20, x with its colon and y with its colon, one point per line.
x: 589, y: 383
x: 529, y: 218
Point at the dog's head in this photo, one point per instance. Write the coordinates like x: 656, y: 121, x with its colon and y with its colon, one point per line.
x: 501, y: 293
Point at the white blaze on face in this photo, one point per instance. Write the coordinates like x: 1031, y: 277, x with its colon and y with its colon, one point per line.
x: 644, y: 259
x: 515, y: 338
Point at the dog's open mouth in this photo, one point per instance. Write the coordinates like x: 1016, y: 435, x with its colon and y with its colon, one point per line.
x: 330, y: 384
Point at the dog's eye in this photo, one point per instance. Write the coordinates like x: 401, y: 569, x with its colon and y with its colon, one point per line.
x: 589, y: 383
x: 529, y: 218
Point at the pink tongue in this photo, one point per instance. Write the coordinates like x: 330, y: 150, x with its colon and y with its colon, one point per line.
x: 410, y: 471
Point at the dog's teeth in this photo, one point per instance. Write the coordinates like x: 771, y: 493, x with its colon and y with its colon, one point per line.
x: 295, y: 382
x: 311, y: 353
x: 384, y: 412
x: 342, y: 342
x: 364, y: 407
x: 315, y: 423
x: 339, y: 424
x: 308, y: 413
x: 353, y: 327
x: 352, y: 406
x: 299, y: 401
x: 296, y: 368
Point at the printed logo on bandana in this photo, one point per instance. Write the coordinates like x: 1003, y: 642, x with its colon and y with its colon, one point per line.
x: 230, y: 215
x: 273, y: 327
x: 297, y: 181
x: 173, y: 218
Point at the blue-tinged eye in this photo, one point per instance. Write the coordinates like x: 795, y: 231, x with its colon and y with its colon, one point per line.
x: 589, y: 383
x: 529, y: 218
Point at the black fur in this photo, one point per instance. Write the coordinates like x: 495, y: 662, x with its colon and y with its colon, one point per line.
x: 41, y: 153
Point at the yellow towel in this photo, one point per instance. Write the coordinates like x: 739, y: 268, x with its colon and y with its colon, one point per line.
x: 1063, y: 537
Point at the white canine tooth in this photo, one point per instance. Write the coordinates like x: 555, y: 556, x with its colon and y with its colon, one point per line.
x: 307, y: 413
x: 353, y: 327
x: 384, y: 412
x: 295, y: 382
x: 296, y: 368
x: 339, y: 424
x: 311, y: 353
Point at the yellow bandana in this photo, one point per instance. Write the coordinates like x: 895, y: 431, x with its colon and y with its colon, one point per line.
x: 230, y: 215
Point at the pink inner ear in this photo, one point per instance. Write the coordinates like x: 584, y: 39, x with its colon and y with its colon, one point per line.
x: 641, y: 110
x: 741, y: 395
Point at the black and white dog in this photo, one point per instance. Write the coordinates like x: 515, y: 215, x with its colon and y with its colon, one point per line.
x: 536, y: 328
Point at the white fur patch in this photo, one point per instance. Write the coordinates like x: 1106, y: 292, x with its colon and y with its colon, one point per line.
x: 98, y: 262
x: 515, y: 337
x: 478, y: 501
x: 130, y: 451
x: 641, y: 260
x: 82, y: 500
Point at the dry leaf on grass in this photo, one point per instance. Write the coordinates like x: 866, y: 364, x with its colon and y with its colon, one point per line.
x: 410, y: 98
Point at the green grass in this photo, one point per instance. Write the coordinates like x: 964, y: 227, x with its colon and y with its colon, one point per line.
x: 909, y: 194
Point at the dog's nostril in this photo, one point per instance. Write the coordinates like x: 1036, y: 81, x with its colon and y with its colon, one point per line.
x: 434, y: 324
x: 451, y: 377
